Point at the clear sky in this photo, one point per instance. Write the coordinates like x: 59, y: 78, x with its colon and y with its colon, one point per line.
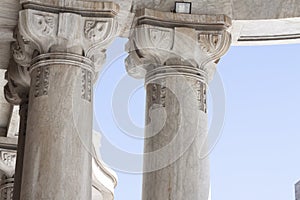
x: 257, y: 156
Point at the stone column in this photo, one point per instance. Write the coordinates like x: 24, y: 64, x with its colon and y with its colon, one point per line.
x: 16, y: 93
x: 177, y: 61
x: 21, y: 146
x: 62, y: 51
x: 297, y: 191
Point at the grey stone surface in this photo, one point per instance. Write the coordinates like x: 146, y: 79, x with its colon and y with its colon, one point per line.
x: 7, y: 171
x: 57, y: 159
x: 22, y: 118
x: 46, y: 27
x: 182, y: 130
x: 8, y: 143
x: 236, y: 9
x: 5, y: 107
x: 71, y: 44
x: 297, y: 191
x: 14, y: 123
x: 177, y: 62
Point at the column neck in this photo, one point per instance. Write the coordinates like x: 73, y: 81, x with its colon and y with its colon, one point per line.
x: 162, y: 72
x: 74, y: 60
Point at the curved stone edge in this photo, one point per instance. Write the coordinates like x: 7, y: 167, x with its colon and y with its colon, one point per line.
x: 104, y: 179
x: 266, y: 32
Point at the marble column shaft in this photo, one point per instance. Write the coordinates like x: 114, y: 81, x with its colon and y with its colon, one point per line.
x: 184, y: 131
x: 57, y: 158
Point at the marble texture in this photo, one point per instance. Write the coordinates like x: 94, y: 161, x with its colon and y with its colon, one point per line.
x: 183, y: 134
x: 165, y: 42
x: 61, y: 51
x: 177, y: 62
x: 23, y: 112
x: 266, y: 32
x: 14, y: 123
x: 7, y: 171
x: 235, y: 9
x: 5, y: 107
x: 57, y: 156
x: 104, y: 179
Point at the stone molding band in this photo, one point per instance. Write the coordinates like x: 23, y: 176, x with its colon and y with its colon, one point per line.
x: 176, y: 70
x: 75, y: 60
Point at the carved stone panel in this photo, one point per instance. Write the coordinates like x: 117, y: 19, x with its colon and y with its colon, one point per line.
x: 41, y: 82
x: 86, y: 85
x: 158, y: 93
x: 201, y: 93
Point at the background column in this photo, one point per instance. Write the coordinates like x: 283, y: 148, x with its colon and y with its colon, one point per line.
x: 177, y: 63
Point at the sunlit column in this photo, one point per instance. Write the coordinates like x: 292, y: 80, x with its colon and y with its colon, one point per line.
x: 176, y: 54
x: 62, y: 52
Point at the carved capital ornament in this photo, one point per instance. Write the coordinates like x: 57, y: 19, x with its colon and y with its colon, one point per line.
x: 156, y: 42
x: 78, y: 37
x: 68, y: 32
x: 163, y: 45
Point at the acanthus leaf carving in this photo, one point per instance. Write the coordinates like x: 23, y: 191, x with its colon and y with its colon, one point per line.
x: 39, y: 28
x: 86, y: 85
x: 152, y: 46
x: 214, y: 44
x: 98, y: 34
x: 95, y: 30
x: 158, y: 93
x: 18, y: 81
x: 41, y: 82
x: 44, y: 24
x: 151, y: 37
x: 161, y: 39
x: 52, y: 32
x: 22, y: 51
x: 148, y: 45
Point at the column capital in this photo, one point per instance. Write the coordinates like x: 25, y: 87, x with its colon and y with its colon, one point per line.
x: 84, y: 29
x: 51, y: 32
x: 162, y: 39
x: 8, y: 162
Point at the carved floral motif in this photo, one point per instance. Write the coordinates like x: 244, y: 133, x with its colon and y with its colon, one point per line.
x: 41, y: 81
x: 9, y: 158
x: 160, y: 38
x: 86, y: 85
x: 44, y: 23
x: 158, y: 93
x: 8, y: 162
x: 200, y: 88
x: 95, y: 30
x: 214, y: 44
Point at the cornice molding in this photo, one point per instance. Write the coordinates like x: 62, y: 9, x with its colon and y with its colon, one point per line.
x: 215, y: 22
x: 84, y: 8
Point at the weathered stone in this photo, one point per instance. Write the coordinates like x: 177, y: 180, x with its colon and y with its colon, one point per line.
x: 177, y: 62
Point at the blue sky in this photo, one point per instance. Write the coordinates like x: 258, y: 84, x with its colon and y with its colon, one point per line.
x: 257, y: 156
